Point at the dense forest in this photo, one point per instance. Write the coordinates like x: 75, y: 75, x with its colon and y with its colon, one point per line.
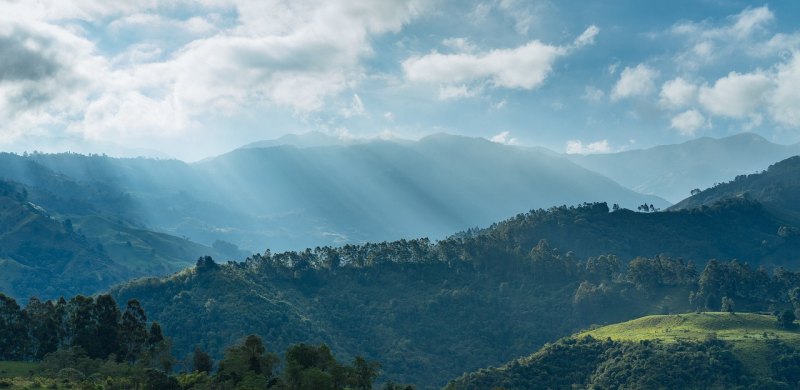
x: 430, y: 311
x: 88, y: 341
x: 777, y: 188
x: 605, y: 364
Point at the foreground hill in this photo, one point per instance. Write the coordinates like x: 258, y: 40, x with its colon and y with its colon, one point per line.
x: 686, y: 351
x: 777, y: 188
x: 277, y: 195
x: 672, y: 171
x: 48, y: 254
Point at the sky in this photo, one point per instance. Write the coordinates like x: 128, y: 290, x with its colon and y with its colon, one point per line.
x: 195, y: 79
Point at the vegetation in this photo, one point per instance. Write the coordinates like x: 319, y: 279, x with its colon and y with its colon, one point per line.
x: 687, y: 351
x: 777, y: 188
x: 88, y: 342
x: 431, y: 311
x: 49, y: 254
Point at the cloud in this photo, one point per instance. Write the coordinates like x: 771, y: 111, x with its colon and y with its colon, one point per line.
x: 706, y: 43
x: 285, y: 54
x: 577, y: 147
x: 784, y: 100
x: 356, y: 108
x: 525, y: 67
x: 587, y: 38
x: 677, y: 93
x: 736, y: 95
x: 449, y: 92
x: 688, y: 122
x: 460, y: 45
x: 46, y: 75
x: 634, y: 82
x: 504, y: 138
x: 593, y: 94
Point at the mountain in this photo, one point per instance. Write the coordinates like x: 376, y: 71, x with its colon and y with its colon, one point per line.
x: 306, y: 140
x: 777, y: 188
x: 288, y: 197
x: 43, y: 256
x: 430, y: 311
x: 687, y: 351
x: 672, y: 171
x: 52, y: 246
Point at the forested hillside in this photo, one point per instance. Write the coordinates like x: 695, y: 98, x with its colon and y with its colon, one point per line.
x: 47, y: 253
x: 432, y: 311
x: 777, y: 188
x: 691, y: 351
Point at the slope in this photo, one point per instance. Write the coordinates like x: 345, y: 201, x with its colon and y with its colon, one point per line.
x: 672, y: 171
x: 287, y: 197
x: 698, y: 350
x: 777, y: 188
x: 46, y: 253
x: 430, y: 311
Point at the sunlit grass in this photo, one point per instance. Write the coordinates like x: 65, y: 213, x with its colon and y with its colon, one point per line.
x: 747, y: 332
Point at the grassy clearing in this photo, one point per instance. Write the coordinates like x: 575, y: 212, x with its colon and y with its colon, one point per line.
x: 17, y: 369
x: 745, y: 331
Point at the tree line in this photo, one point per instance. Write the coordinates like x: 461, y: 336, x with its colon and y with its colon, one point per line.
x: 86, y: 338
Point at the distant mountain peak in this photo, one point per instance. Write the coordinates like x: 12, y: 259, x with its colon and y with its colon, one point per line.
x: 304, y: 140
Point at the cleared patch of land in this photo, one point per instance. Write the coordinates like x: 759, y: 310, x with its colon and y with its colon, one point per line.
x: 745, y: 331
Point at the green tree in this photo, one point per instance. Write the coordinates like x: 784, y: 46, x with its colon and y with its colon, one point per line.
x: 13, y: 332
x: 365, y: 373
x: 201, y: 361
x: 727, y: 304
x: 133, y: 332
x: 43, y: 327
x: 249, y: 359
x: 108, y: 316
x: 786, y: 319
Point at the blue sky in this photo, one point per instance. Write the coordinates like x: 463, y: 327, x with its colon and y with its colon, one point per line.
x: 193, y: 79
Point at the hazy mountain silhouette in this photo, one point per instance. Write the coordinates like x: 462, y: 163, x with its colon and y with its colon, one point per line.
x: 672, y: 171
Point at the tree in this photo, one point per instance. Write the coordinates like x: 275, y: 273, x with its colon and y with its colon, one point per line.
x: 727, y: 304
x: 786, y: 319
x: 43, y: 327
x: 365, y: 373
x: 247, y: 361
x: 201, y: 361
x: 108, y: 318
x: 133, y: 332
x: 695, y: 191
x: 13, y: 333
x: 83, y: 321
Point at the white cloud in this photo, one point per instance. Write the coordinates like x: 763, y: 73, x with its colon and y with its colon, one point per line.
x: 593, y: 94
x: 688, y: 122
x: 633, y: 82
x: 278, y: 53
x: 784, y: 101
x: 707, y: 43
x: 460, y: 45
x: 504, y: 138
x: 736, y: 95
x: 525, y: 67
x: 577, y: 147
x: 677, y: 93
x: 524, y: 13
x: 587, y: 38
x: 456, y: 92
x: 356, y: 108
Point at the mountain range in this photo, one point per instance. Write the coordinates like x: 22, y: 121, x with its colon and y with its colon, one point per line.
x: 673, y: 171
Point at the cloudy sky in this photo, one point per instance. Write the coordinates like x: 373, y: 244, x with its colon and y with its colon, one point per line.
x: 199, y: 78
